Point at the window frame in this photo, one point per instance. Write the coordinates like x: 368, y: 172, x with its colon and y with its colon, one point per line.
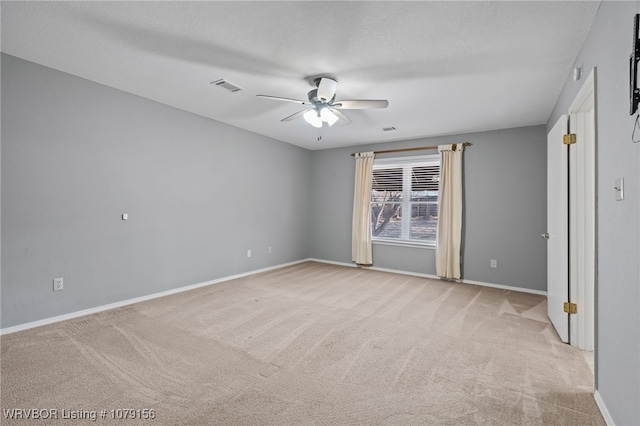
x: 406, y: 163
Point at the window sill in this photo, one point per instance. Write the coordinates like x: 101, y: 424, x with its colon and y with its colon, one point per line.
x: 404, y: 244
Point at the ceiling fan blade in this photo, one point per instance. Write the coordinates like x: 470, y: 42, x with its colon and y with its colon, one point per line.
x: 327, y: 89
x: 296, y: 115
x: 361, y: 104
x: 278, y: 98
x: 343, y: 118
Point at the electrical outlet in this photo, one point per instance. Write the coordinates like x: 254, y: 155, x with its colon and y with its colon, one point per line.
x: 248, y: 253
x: 57, y: 284
x: 494, y: 263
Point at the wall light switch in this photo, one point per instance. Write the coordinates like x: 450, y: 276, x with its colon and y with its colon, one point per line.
x: 125, y: 216
x: 619, y: 187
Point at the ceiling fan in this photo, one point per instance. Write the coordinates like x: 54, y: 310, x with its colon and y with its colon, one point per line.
x: 324, y: 106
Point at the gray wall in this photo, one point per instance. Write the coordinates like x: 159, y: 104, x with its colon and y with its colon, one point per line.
x: 76, y: 155
x: 505, y: 195
x: 607, y: 48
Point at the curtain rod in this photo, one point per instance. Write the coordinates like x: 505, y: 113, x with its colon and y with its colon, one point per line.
x: 386, y: 151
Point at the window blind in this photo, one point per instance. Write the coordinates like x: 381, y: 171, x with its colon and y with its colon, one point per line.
x: 404, y: 199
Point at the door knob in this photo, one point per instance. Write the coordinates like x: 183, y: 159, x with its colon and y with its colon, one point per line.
x: 545, y: 235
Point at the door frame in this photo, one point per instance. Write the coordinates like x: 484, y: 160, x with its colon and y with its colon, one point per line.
x: 582, y: 221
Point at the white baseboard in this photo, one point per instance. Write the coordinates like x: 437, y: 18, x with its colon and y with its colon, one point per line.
x: 603, y: 409
x: 418, y: 274
x: 506, y: 287
x: 102, y: 308
x: 374, y: 268
x: 397, y: 271
x: 332, y: 262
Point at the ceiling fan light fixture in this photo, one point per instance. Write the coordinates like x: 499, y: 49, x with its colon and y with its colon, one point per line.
x: 327, y: 115
x: 312, y: 117
x: 324, y: 106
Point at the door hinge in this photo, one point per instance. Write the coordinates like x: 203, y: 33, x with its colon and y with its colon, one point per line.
x: 570, y: 308
x: 569, y: 139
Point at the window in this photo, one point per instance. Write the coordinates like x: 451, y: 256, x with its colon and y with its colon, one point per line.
x: 404, y: 199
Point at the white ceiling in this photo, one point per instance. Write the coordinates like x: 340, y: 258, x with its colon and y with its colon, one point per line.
x: 445, y: 67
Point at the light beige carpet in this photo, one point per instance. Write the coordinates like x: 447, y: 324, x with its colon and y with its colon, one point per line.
x: 309, y: 344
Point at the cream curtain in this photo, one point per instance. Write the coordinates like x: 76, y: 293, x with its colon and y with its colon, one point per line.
x: 449, y: 212
x: 361, y: 252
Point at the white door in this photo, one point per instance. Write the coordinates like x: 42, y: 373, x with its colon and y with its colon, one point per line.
x: 558, y: 228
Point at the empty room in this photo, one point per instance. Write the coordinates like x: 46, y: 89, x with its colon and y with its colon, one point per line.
x: 320, y: 213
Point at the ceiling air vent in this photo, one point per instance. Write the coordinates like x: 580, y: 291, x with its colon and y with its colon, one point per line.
x: 226, y: 85
x: 388, y: 129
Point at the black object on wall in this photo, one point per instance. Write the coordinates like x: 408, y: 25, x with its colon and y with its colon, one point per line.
x: 634, y: 92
